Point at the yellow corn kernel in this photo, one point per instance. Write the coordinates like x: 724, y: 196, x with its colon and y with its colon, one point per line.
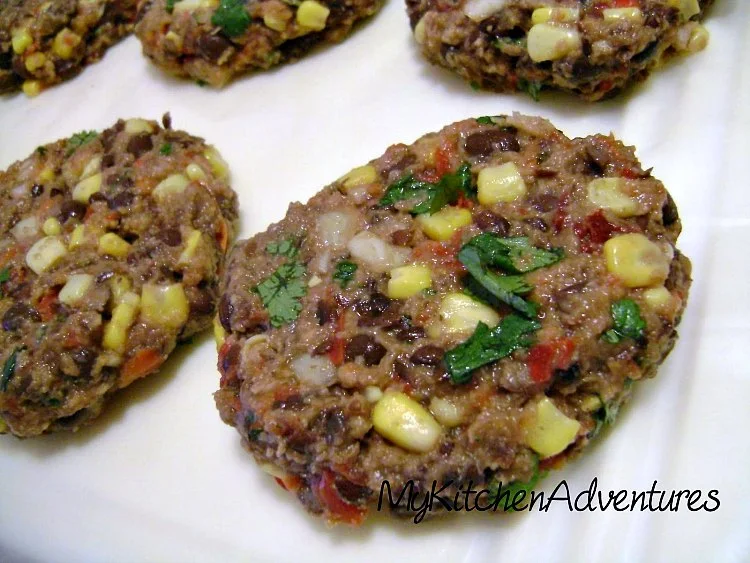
x: 359, y: 176
x: 191, y: 245
x: 312, y: 14
x: 636, y: 261
x: 87, y: 187
x: 408, y: 280
x: 698, y: 39
x: 194, y: 172
x: 659, y: 299
x: 405, y: 422
x: 607, y: 193
x: 275, y: 21
x: 420, y: 36
x: 446, y: 412
x: 591, y: 403
x: 32, y: 88
x: 3, y: 427
x: 44, y: 254
x: 219, y: 333
x: 460, y: 313
x: 443, y: 224
x: 65, y: 43
x: 174, y: 184
x: 549, y: 42
x: 688, y: 8
x: 135, y: 126
x: 92, y: 167
x: 120, y: 286
x: 497, y: 184
x: 550, y: 431
x: 35, y: 61
x: 174, y: 38
x: 21, y: 40
x: 75, y: 288
x: 77, y: 237
x: 52, y: 227
x: 547, y: 14
x: 633, y: 15
x: 164, y: 305
x: 373, y: 394
x: 123, y: 316
x: 314, y: 281
x: 111, y: 244
x: 218, y: 165
x: 192, y: 5
x: 46, y: 175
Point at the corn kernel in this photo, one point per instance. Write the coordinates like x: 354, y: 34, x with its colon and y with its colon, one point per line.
x: 420, y: 35
x: 606, y: 193
x: 123, y: 316
x: 75, y: 288
x: 52, y: 227
x: 460, y: 313
x: 76, y: 237
x: 275, y: 21
x: 591, y: 403
x: 446, y: 412
x: 405, y: 422
x: 218, y: 165
x: 219, y: 333
x: 3, y: 427
x: 443, y: 224
x: 636, y: 261
x: 192, y: 5
x: 35, y: 61
x: 373, y: 394
x: 547, y: 14
x: 136, y: 126
x: 498, y: 184
x: 194, y: 172
x: 65, y: 43
x: 87, y: 187
x: 120, y: 286
x: 191, y: 245
x: 46, y: 175
x: 174, y: 184
x: 633, y: 15
x: 113, y: 245
x: 164, y: 305
x: 659, y: 299
x: 688, y: 8
x: 45, y: 253
x: 174, y: 38
x: 698, y: 39
x: 359, y: 176
x: 551, y: 431
x: 92, y: 167
x: 32, y: 88
x: 408, y: 280
x: 312, y: 14
x: 549, y: 42
x: 21, y: 40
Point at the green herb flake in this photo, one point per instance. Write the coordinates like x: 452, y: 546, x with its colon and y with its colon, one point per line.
x: 78, y: 140
x: 41, y: 151
x: 485, y: 120
x: 281, y: 293
x: 344, y: 272
x: 232, y: 17
x: 489, y: 345
x: 201, y: 83
x: 286, y: 247
x: 170, y: 5
x: 531, y: 87
x: 8, y: 370
x: 475, y: 85
x: 515, y: 255
x: 436, y: 196
x: 4, y: 277
x: 627, y: 320
x: 512, y: 490
x: 166, y: 149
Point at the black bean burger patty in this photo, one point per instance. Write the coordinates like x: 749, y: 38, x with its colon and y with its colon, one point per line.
x: 44, y: 42
x: 473, y: 307
x: 592, y: 48
x: 111, y: 246
x: 213, y: 41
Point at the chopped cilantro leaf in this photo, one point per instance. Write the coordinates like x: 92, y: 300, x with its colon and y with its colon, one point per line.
x: 41, y: 150
x: 8, y: 370
x: 201, y: 83
x: 515, y: 255
x: 485, y: 120
x: 513, y: 489
x: 170, y: 5
x: 232, y: 17
x: 78, y: 140
x: 474, y: 85
x: 4, y: 277
x: 344, y: 272
x: 281, y: 293
x: 436, y: 196
x: 285, y: 247
x: 531, y: 87
x: 166, y: 149
x: 488, y: 345
x: 628, y: 323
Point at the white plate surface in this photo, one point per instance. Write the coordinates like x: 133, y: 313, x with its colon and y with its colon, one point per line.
x: 160, y: 478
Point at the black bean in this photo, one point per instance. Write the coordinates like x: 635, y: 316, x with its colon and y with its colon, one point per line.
x: 166, y: 121
x: 120, y: 180
x: 104, y: 276
x: 226, y: 309
x: 669, y: 212
x: 323, y: 348
x: 54, y: 192
x: 375, y: 305
x: 65, y: 69
x: 492, y: 223
x: 326, y: 312
x: 97, y: 196
x: 292, y: 402
x: 484, y: 143
x: 410, y: 334
x: 72, y: 210
x: 334, y: 422
x: 84, y: 358
x: 350, y: 491
x: 538, y: 223
x: 212, y: 47
x: 401, y: 370
x: 428, y: 355
x: 18, y: 314
x: 569, y: 375
x: 37, y: 190
x: 108, y: 160
x: 140, y: 144
x: 120, y: 199
x: 201, y: 302
x: 545, y: 202
x: 171, y: 237
x: 230, y: 359
x: 366, y: 346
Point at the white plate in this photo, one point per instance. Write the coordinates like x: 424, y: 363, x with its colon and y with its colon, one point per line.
x: 160, y: 478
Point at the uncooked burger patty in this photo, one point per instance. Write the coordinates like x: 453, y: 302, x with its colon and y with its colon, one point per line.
x: 590, y: 48
x: 110, y: 251
x: 43, y: 43
x: 473, y: 307
x: 215, y: 40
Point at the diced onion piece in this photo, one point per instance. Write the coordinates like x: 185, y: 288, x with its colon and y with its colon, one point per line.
x: 52, y: 226
x: 378, y: 255
x: 314, y: 370
x: 194, y: 172
x: 636, y: 260
x: 698, y: 39
x: 446, y: 412
x: 607, y: 193
x: 218, y: 165
x: 123, y: 316
x: 477, y: 10
x: 93, y: 166
x: 77, y: 237
x: 405, y: 422
x: 443, y: 225
x: 548, y: 14
x: 359, y: 176
x: 551, y: 431
x: 87, y: 187
x: 25, y: 229
x: 173, y: 184
x: 120, y: 285
x: 688, y: 8
x: 313, y: 15
x: 136, y: 126
x: 659, y: 299
x: 591, y: 403
x: 549, y: 42
x: 44, y: 254
x: 164, y: 305
x: 75, y: 288
x: 112, y: 244
x: 460, y: 313
x: 314, y: 281
x: 408, y: 280
x: 633, y: 15
x: 191, y: 245
x: 336, y: 228
x: 275, y: 20
x: 373, y: 394
x: 420, y: 35
x: 499, y: 184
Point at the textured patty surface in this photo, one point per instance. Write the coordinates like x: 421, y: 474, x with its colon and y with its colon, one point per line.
x: 45, y: 42
x: 215, y: 40
x: 591, y: 48
x: 357, y: 333
x: 110, y: 250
